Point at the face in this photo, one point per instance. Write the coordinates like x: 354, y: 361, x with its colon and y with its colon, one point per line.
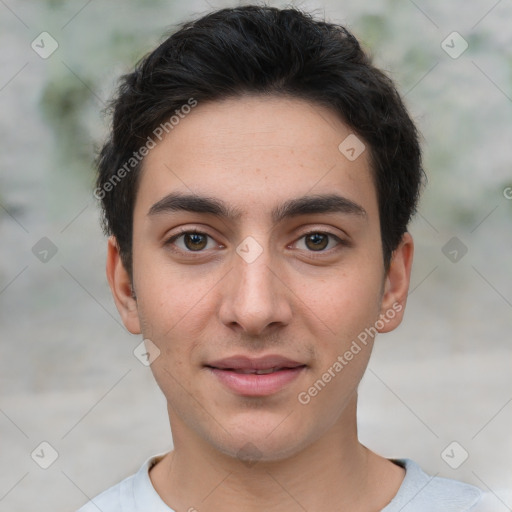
x: 257, y: 265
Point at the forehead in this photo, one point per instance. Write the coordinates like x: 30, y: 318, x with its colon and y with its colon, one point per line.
x: 255, y: 152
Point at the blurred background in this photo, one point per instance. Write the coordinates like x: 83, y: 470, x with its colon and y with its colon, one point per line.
x: 438, y: 389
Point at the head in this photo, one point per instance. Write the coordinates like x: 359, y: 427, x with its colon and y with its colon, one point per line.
x: 293, y: 159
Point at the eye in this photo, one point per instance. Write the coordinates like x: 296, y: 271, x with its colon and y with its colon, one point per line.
x: 318, y: 241
x: 192, y: 241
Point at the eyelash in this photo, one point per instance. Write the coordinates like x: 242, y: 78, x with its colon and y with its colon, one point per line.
x: 340, y: 242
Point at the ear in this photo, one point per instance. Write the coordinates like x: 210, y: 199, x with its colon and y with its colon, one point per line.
x: 396, y: 285
x: 121, y: 288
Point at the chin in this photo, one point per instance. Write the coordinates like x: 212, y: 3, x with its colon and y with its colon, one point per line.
x: 259, y: 443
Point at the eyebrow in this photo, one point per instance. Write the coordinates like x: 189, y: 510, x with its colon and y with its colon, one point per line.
x: 305, y: 205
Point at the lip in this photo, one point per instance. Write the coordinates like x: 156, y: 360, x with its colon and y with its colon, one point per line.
x: 227, y: 371
x: 254, y: 363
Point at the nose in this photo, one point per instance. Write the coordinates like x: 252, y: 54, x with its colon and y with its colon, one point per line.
x: 255, y: 298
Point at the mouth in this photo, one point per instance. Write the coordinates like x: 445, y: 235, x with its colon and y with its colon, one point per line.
x: 245, y: 364
x: 250, y: 371
x: 255, y: 376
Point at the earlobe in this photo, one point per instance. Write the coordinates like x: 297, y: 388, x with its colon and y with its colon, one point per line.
x: 121, y: 288
x: 396, y: 286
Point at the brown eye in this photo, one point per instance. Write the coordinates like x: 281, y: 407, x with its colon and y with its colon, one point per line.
x: 195, y: 241
x: 317, y: 241
x: 192, y: 241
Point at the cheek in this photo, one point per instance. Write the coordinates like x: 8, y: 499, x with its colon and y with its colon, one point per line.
x: 177, y: 311
x: 342, y: 304
x: 171, y: 319
x: 341, y: 312
x: 172, y: 299
x: 174, y: 321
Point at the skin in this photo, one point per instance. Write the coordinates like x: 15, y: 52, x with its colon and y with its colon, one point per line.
x: 234, y: 452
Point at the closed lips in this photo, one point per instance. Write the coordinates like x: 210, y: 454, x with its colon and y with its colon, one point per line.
x: 255, y: 376
x: 259, y: 366
x: 257, y: 372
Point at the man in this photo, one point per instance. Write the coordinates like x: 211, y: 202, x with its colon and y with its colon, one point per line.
x: 257, y: 187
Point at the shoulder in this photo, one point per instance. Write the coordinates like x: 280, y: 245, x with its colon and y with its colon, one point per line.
x: 131, y: 495
x: 112, y: 499
x: 421, y: 492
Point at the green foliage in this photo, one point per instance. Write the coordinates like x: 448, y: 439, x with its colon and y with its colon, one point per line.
x: 373, y: 29
x: 64, y: 102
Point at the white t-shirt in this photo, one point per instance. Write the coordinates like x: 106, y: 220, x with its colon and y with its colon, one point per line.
x: 419, y: 492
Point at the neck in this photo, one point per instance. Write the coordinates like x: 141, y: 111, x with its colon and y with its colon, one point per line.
x: 335, y: 472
